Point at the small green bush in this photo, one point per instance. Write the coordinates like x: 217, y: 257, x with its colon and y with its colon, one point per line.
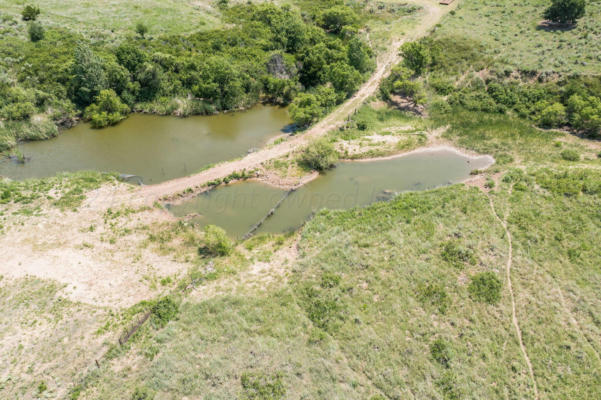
x: 217, y: 243
x: 486, y: 287
x: 457, y: 255
x: 319, y: 155
x: 36, y: 32
x: 107, y: 110
x: 42, y: 387
x: 142, y: 393
x: 30, y: 13
x: 141, y: 29
x: 260, y: 386
x: 570, y: 155
x: 435, y: 295
x: 164, y: 311
x: 440, y: 352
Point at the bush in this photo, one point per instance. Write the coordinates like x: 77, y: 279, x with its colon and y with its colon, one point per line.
x: 416, y: 56
x: 142, y: 393
x: 259, y: 386
x: 457, y: 255
x: 107, y: 110
x: 336, y: 18
x: 565, y: 11
x: 570, y: 155
x: 319, y: 155
x: 485, y: 287
x: 434, y: 294
x: 36, y: 32
x: 30, y: 13
x: 553, y: 116
x: 18, y: 111
x: 141, y: 29
x: 440, y: 352
x: 217, y: 243
x: 164, y: 311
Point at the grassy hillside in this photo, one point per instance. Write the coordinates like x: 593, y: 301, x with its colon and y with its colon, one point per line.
x: 483, y: 290
x: 513, y: 31
x: 109, y: 18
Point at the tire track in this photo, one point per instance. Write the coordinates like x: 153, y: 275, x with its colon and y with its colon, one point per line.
x: 514, y: 317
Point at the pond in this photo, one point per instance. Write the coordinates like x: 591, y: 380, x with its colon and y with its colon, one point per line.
x: 237, y: 207
x: 152, y: 147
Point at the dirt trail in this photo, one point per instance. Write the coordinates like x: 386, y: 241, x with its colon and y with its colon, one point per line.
x: 514, y: 317
x: 150, y: 194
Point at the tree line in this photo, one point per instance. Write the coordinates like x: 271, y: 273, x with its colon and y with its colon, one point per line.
x: 269, y: 53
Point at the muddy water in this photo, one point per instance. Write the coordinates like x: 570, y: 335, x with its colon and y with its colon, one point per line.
x: 152, y: 147
x: 238, y: 207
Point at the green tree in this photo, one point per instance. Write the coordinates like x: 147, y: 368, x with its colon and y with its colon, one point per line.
x: 359, y: 55
x: 150, y: 77
x: 221, y: 83
x: 319, y: 155
x: 107, y: 110
x: 336, y: 18
x: 305, y: 109
x: 416, y: 56
x: 585, y: 113
x: 130, y: 56
x: 36, y: 32
x: 89, y: 77
x: 141, y: 29
x: 30, y: 13
x: 553, y: 115
x: 344, y: 78
x: 565, y: 11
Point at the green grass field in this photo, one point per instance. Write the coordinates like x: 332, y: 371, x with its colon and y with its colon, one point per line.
x: 511, y: 30
x: 108, y: 17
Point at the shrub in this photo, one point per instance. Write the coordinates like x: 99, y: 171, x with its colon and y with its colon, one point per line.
x: 217, y: 243
x: 485, y: 287
x: 142, y: 393
x: 164, y: 311
x: 36, y: 32
x: 552, y: 116
x: 259, y: 386
x: 448, y: 386
x: 457, y: 255
x: 440, y: 352
x: 565, y: 11
x: 319, y: 155
x: 416, y: 56
x: 107, y: 109
x: 434, y: 294
x: 18, y: 111
x: 305, y: 109
x: 570, y: 155
x: 336, y: 18
x: 141, y: 29
x: 330, y: 280
x: 30, y: 13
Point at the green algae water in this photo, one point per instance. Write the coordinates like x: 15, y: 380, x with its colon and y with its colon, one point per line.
x: 237, y: 207
x: 152, y: 147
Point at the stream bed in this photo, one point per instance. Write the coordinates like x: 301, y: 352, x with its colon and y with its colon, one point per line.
x: 238, y: 207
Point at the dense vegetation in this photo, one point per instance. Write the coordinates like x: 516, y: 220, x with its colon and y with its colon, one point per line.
x: 267, y: 53
x: 550, y: 101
